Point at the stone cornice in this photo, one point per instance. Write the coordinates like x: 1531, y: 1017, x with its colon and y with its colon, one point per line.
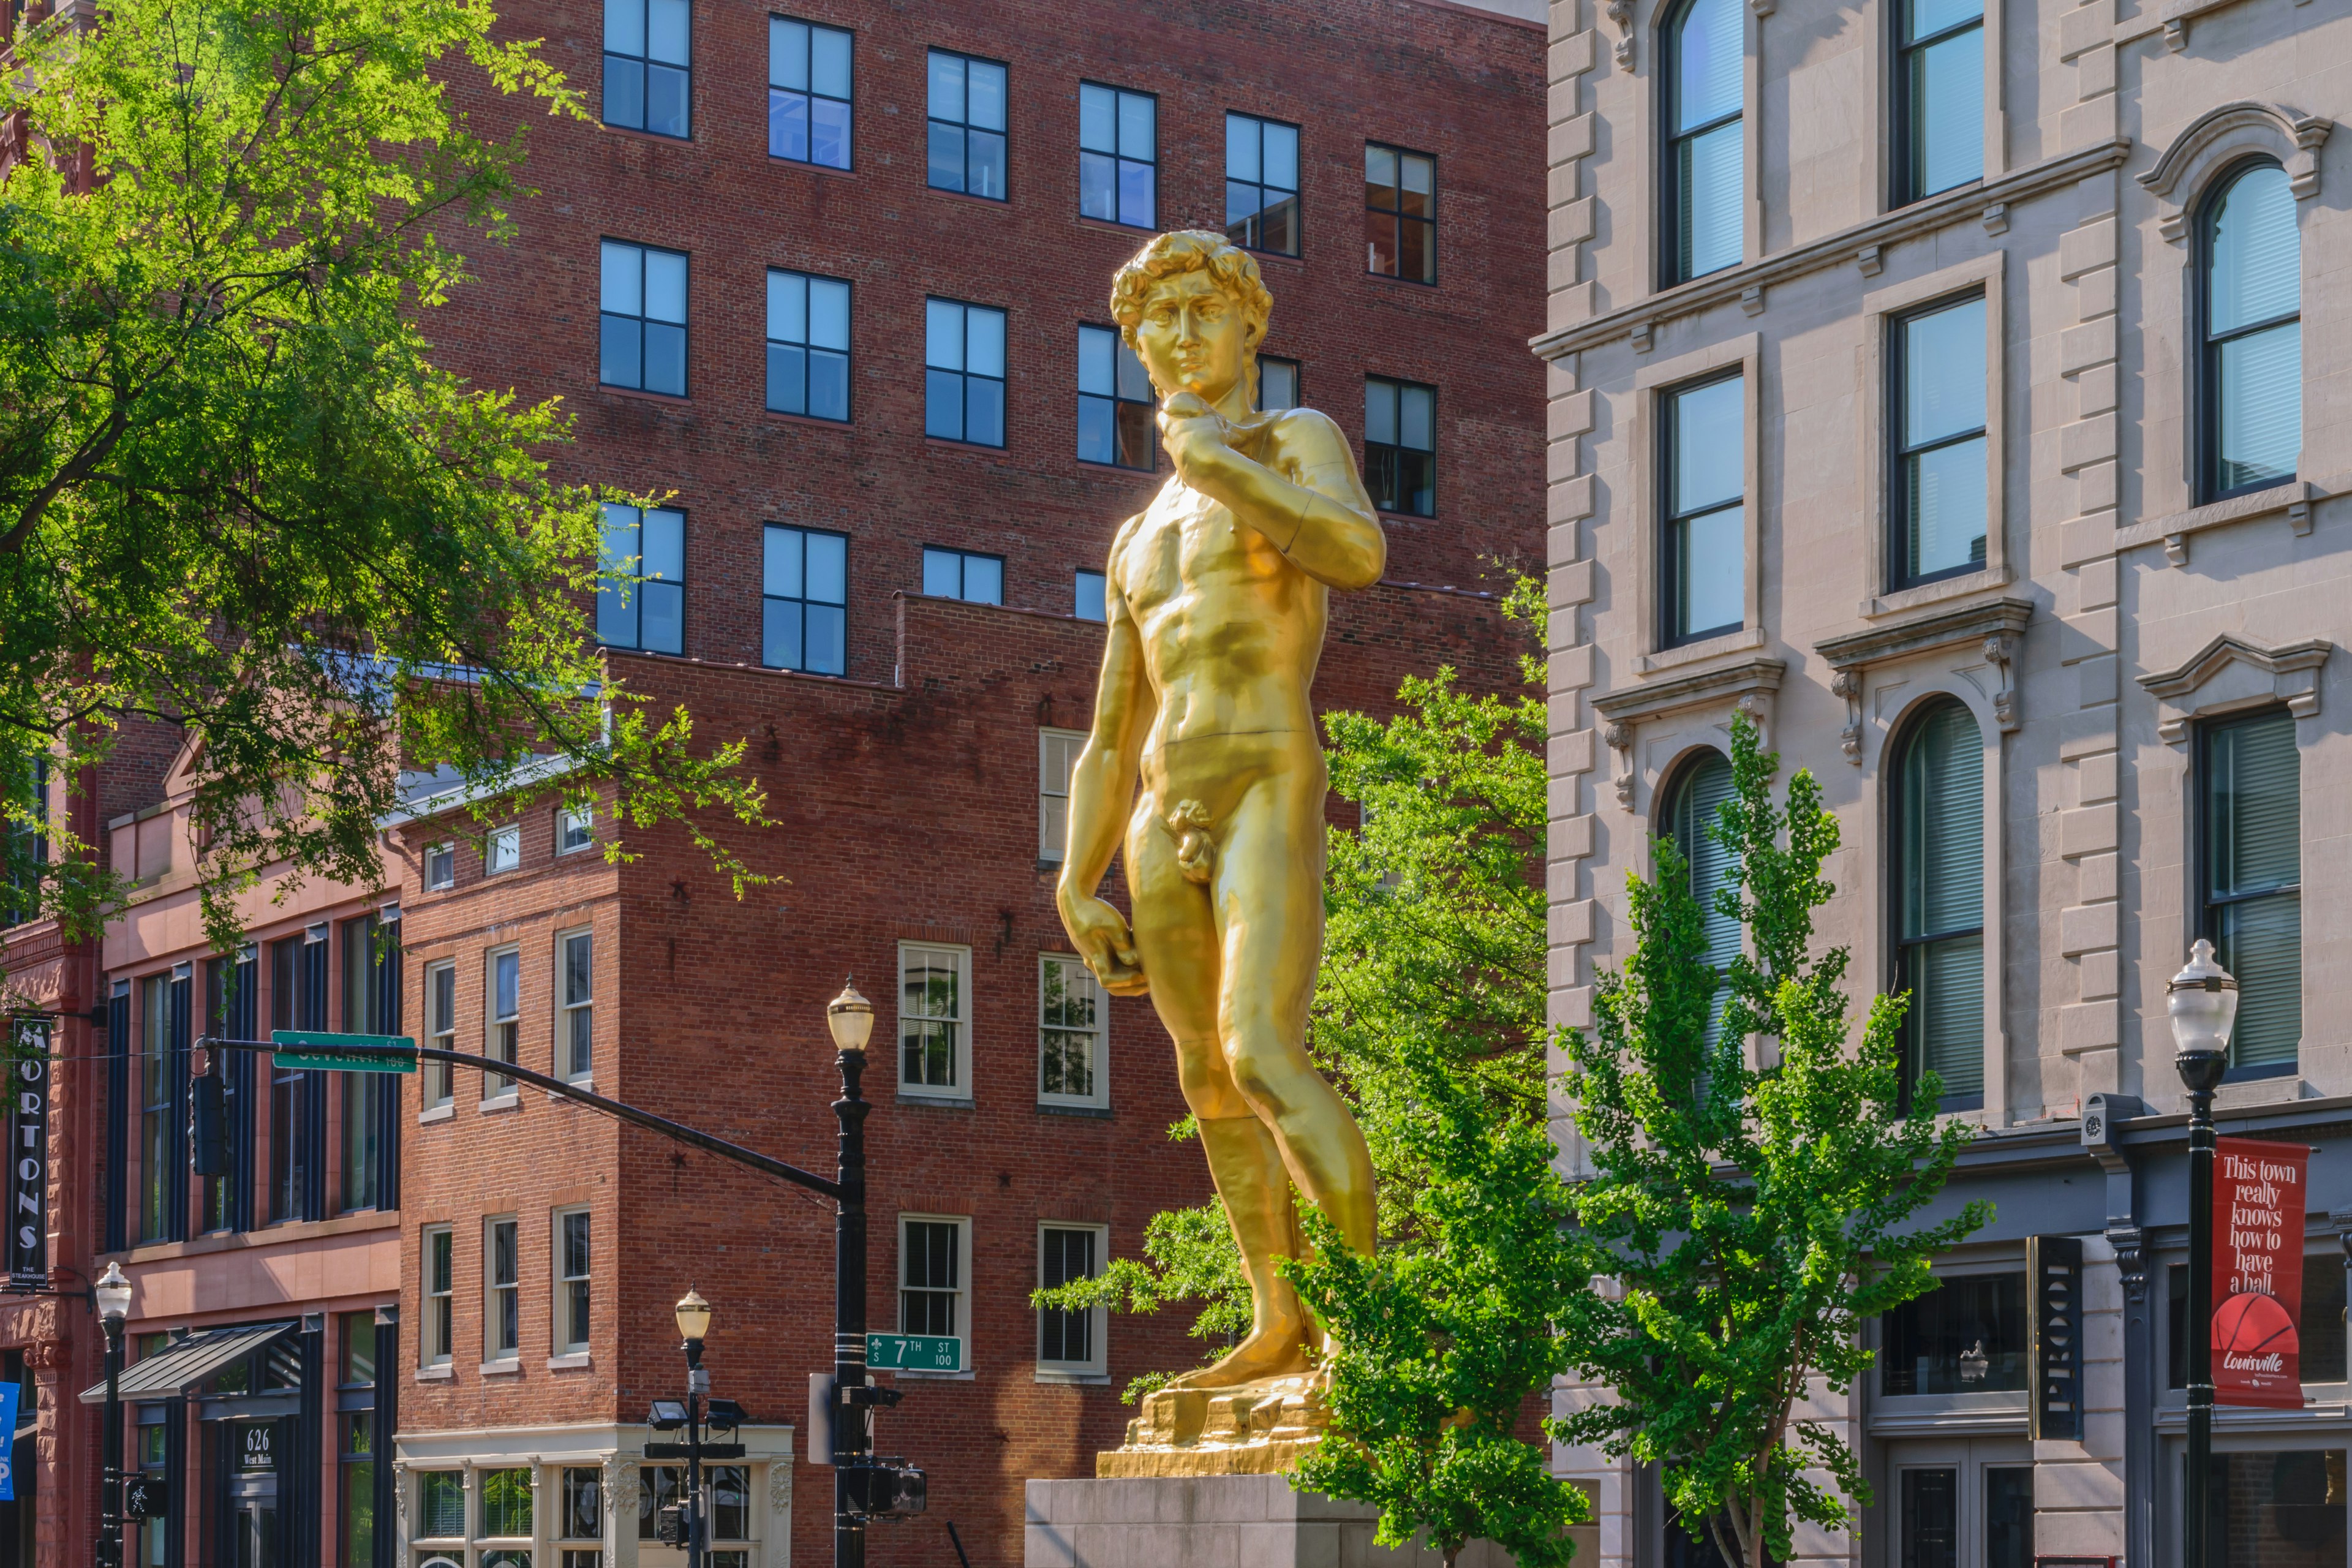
x: 1945, y: 629
x: 1652, y: 698
x: 1863, y: 244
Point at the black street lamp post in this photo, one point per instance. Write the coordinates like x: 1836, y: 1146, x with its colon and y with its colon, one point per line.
x: 112, y: 1292
x: 693, y: 1324
x: 850, y: 1018
x: 2204, y: 1002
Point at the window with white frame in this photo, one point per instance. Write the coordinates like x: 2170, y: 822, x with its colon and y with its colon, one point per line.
x: 728, y: 1510
x: 502, y: 1018
x: 571, y: 1281
x: 441, y: 1505
x: 507, y: 1497
x: 441, y: 1031
x: 436, y: 1345
x: 934, y: 1261
x: 1057, y: 758
x: 503, y: 850
x: 440, y: 866
x: 575, y: 829
x: 1069, y: 1342
x: 502, y: 1289
x: 581, y: 1516
x: 1072, y: 1018
x: 934, y: 1021
x: 576, y: 1029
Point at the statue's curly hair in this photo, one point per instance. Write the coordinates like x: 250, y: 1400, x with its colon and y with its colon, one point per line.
x: 1232, y: 268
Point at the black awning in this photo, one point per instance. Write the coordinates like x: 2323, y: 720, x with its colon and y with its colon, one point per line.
x: 183, y: 1365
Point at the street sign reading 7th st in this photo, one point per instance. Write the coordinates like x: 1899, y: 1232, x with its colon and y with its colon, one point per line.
x: 915, y: 1352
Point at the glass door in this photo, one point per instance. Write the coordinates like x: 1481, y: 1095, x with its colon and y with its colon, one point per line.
x: 1962, y: 1504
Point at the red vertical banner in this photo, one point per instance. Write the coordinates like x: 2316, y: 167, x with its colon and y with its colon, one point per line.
x: 2258, y: 1204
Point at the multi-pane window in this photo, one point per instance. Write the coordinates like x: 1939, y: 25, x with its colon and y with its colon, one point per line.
x: 356, y: 1469
x: 298, y: 989
x: 1939, y: 96
x: 1938, y: 500
x: 1704, y: 540
x: 571, y: 1281
x: 1088, y: 596
x: 156, y: 1059
x: 506, y: 1506
x: 809, y: 114
x: 1115, y: 403
x: 808, y: 345
x: 967, y: 125
x: 582, y: 1504
x: 441, y: 1031
x: 647, y: 544
x: 1277, y: 384
x: 1399, y: 213
x: 1057, y: 758
x: 503, y: 1019
x: 1939, y: 901
x: 2251, y: 847
x: 961, y: 574
x: 730, y: 1515
x: 2251, y: 385
x: 1119, y: 155
x: 1401, y: 446
x: 1690, y: 820
x: 1072, y: 1012
x: 576, y: 1025
x: 1069, y: 1342
x: 661, y: 1487
x: 366, y: 949
x: 930, y: 1276
x: 502, y: 851
x: 439, y: 1340
x: 441, y: 1505
x: 648, y: 66
x: 804, y: 603
x: 575, y: 829
x: 1970, y: 1334
x: 440, y: 866
x: 1262, y: 184
x: 1705, y: 177
x: 502, y: 1298
x: 641, y: 332
x: 963, y: 373
x: 932, y: 1019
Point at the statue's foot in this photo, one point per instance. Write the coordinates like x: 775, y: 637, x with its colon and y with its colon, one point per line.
x: 1268, y: 1353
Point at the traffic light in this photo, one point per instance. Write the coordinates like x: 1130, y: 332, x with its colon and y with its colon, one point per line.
x: 883, y: 1488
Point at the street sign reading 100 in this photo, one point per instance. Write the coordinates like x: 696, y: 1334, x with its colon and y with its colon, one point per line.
x: 915, y: 1352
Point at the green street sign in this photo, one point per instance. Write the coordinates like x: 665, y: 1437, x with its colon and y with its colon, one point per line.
x: 319, y: 1051
x: 915, y: 1352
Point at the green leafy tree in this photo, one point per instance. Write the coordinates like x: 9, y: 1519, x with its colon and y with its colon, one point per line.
x: 1750, y: 1216
x: 236, y: 493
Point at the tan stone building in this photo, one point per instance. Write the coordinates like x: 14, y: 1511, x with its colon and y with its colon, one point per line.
x: 1960, y: 390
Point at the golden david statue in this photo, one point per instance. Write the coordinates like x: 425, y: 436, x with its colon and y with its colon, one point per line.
x: 1217, y: 596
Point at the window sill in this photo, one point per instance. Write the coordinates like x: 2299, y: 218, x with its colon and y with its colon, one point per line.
x: 1936, y: 593
x: 1984, y: 1414
x: 2292, y: 498
x: 811, y: 165
x: 660, y: 136
x: 509, y: 1366
x: 1057, y: 1108
x: 574, y: 1362
x: 1741, y: 641
x: 1004, y: 202
x: 814, y: 421
x: 436, y: 1113
x: 943, y: 1101
x: 509, y: 1101
x: 666, y: 399
x: 585, y: 1085
x: 1074, y: 1375
x: 941, y: 443
x: 436, y: 1373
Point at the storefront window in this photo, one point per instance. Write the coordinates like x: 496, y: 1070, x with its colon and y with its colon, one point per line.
x: 441, y: 1505
x: 1966, y: 1336
x: 154, y: 1450
x: 2282, y: 1508
x: 2321, y: 1330
x: 506, y: 1505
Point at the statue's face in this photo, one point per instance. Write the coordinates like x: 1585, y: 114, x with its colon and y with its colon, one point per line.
x: 1193, y: 337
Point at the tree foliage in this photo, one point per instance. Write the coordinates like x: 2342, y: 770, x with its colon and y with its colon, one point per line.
x: 1750, y: 1216
x: 236, y: 493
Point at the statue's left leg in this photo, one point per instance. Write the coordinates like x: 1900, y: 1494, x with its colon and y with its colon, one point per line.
x: 1269, y: 893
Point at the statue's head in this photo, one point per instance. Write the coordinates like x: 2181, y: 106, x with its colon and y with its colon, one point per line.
x: 1192, y: 306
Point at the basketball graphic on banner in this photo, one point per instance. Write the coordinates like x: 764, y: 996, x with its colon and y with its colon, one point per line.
x: 2249, y: 1325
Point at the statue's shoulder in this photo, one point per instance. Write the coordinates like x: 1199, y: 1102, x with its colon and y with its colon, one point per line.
x: 1306, y: 433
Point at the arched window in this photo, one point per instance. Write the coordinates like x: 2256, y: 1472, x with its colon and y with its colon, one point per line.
x: 1698, y: 795
x: 1705, y: 166
x: 1938, y: 898
x: 2252, y: 382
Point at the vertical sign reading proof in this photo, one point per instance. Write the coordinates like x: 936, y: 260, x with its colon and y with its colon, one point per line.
x: 2054, y: 1267
x: 2258, y: 1202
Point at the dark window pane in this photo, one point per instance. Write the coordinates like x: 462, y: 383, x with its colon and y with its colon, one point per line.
x: 984, y: 165
x: 666, y: 100
x: 1417, y: 251
x: 946, y: 161
x: 943, y: 405
x: 1137, y: 448
x: 625, y: 92
x: 1967, y: 1335
x: 780, y: 642
x: 620, y: 353
x: 1137, y: 194
x: 983, y: 411
x: 1931, y: 1518
x: 664, y: 617
x: 2009, y: 1517
x: 2323, y: 1317
x: 1097, y: 440
x: 787, y: 378
x: 1279, y: 228
x: 1381, y: 243
x: 828, y: 377
x: 788, y: 124
x: 827, y: 640
x: 1099, y: 185
x: 666, y: 358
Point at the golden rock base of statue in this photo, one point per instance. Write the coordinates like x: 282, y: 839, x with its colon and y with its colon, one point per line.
x: 1257, y: 1429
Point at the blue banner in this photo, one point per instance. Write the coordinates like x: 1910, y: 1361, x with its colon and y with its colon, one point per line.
x: 9, y: 1392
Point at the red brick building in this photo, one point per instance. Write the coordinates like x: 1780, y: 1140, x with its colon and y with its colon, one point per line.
x: 847, y: 263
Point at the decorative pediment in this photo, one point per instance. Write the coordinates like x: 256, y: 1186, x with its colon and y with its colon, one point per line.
x: 2230, y: 673
x: 1994, y: 626
x: 1749, y: 685
x: 2222, y: 134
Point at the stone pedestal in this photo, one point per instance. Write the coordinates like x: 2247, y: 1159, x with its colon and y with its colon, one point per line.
x: 1212, y: 1521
